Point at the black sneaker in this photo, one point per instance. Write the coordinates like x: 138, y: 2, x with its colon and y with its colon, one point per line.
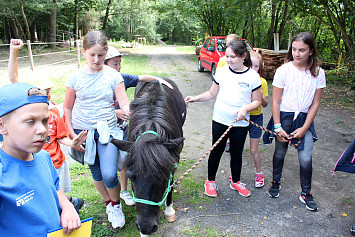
x: 308, y: 200
x: 352, y: 229
x: 274, y: 189
x: 78, y: 204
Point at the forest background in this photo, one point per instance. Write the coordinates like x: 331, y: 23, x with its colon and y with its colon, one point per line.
x: 189, y: 22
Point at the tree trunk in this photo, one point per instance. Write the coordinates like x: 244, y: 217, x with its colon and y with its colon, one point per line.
x: 28, y: 34
x: 106, y: 16
x: 76, y: 28
x: 284, y: 16
x: 272, y: 26
x: 53, y: 25
x: 252, y: 30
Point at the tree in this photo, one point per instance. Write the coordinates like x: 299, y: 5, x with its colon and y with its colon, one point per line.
x: 28, y: 34
x: 53, y: 24
x: 106, y: 15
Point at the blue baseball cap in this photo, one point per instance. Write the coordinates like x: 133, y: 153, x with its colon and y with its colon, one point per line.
x: 14, y: 96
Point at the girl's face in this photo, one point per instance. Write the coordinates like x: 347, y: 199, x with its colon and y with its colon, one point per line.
x: 233, y: 60
x: 255, y: 63
x: 301, y: 53
x: 95, y: 57
x: 115, y: 63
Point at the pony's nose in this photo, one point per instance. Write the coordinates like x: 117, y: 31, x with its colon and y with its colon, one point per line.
x: 147, y: 229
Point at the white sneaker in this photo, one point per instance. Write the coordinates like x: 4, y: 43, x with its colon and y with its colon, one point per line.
x: 127, y: 198
x: 108, y: 212
x: 117, y: 216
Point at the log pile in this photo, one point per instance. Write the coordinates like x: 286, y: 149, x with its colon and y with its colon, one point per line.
x: 272, y: 60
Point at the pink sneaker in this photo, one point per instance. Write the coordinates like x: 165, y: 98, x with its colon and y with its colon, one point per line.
x: 210, y: 188
x: 240, y: 187
x: 259, y: 180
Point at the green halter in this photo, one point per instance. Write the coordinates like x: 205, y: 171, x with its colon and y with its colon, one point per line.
x: 149, y: 131
x: 165, y: 195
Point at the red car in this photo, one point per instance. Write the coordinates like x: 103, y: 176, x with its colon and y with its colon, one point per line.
x: 212, y: 50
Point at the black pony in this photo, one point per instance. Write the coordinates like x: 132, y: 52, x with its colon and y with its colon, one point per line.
x: 155, y: 140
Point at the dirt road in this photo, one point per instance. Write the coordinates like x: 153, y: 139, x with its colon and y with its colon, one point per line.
x: 233, y: 215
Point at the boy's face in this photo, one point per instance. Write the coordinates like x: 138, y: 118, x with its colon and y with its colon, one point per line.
x: 25, y: 130
x: 115, y: 63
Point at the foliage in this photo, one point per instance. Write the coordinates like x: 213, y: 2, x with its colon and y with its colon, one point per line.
x: 189, y: 22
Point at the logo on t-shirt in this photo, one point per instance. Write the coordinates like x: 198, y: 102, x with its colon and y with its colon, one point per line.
x: 20, y: 201
x: 243, y: 84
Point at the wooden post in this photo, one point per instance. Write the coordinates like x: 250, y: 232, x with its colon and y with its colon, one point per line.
x: 30, y: 54
x: 289, y: 40
x: 276, y: 42
x: 78, y: 52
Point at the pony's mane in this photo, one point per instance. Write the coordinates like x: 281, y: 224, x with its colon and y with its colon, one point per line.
x: 153, y: 111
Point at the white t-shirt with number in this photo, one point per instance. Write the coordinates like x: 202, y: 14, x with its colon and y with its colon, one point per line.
x: 298, y: 87
x: 235, y: 89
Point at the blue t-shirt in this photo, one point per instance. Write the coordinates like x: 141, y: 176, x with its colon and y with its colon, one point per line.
x: 130, y: 80
x: 29, y: 204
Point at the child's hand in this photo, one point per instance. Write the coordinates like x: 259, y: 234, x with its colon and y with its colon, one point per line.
x: 299, y: 133
x: 241, y: 113
x: 78, y: 140
x: 162, y: 81
x: 69, y: 219
x: 283, y: 136
x: 121, y: 115
x: 16, y: 44
x: 189, y: 99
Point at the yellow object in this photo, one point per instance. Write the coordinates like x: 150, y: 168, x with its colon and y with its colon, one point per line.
x: 265, y: 92
x: 83, y: 231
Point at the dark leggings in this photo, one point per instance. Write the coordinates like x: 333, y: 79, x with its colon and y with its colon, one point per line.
x: 304, y: 157
x: 237, y: 136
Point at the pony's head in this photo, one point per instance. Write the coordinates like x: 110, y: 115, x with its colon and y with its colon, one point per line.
x: 150, y: 164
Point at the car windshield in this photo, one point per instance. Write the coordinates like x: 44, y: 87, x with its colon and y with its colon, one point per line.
x: 221, y: 45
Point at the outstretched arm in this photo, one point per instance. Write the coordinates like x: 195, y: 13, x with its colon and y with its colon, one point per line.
x: 149, y: 78
x: 15, y: 46
x: 208, y: 95
x: 77, y: 141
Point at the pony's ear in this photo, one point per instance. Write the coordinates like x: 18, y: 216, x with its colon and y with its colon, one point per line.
x: 172, y: 144
x: 122, y: 145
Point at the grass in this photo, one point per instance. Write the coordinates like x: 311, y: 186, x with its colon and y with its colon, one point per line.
x: 186, y: 49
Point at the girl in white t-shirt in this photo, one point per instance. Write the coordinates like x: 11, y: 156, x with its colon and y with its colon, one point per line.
x: 88, y: 105
x: 238, y: 91
x: 297, y: 90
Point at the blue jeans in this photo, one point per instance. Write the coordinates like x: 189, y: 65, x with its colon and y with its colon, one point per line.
x: 105, y: 166
x: 304, y: 157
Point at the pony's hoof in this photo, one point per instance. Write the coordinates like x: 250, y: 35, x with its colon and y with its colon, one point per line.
x: 142, y: 235
x: 171, y: 218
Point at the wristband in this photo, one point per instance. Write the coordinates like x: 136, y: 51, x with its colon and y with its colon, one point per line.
x: 277, y: 125
x: 277, y: 130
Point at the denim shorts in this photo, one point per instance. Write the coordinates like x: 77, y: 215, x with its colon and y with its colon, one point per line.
x: 255, y: 132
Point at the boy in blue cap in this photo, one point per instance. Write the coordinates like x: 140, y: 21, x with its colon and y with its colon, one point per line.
x: 31, y: 203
